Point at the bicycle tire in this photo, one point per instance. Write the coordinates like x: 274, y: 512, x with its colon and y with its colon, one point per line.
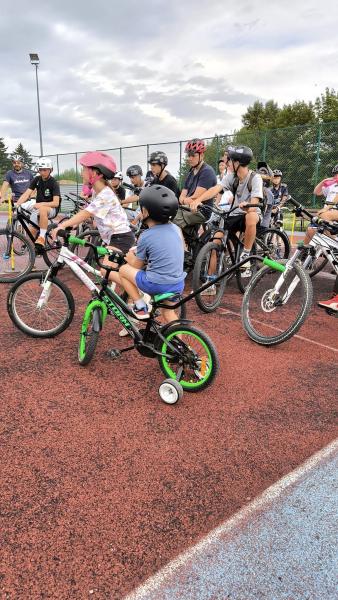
x: 51, y: 250
x: 89, y: 336
x: 87, y: 254
x: 208, y: 303
x: 276, y: 251
x: 283, y: 316
x: 199, y: 370
x: 27, y: 290
x: 318, y: 265
x: 23, y: 259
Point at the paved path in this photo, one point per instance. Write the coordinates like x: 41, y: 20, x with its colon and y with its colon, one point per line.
x: 282, y: 546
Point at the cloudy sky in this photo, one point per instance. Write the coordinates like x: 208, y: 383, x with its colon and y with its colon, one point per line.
x: 121, y: 73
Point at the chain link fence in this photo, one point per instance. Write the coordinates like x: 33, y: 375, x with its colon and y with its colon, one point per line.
x: 305, y: 154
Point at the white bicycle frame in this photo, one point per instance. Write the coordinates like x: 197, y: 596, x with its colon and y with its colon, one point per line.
x: 76, y: 264
x: 325, y: 246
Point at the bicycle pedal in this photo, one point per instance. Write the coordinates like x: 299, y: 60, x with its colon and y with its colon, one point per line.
x: 114, y: 353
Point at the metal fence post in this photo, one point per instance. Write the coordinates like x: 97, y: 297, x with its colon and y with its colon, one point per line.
x: 319, y: 135
x: 120, y: 159
x: 57, y: 164
x: 77, y: 179
x: 264, y: 145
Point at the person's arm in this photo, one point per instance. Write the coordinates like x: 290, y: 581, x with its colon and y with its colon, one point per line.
x: 318, y: 191
x: 133, y: 261
x: 3, y: 191
x: 81, y: 216
x: 25, y: 196
x: 183, y: 196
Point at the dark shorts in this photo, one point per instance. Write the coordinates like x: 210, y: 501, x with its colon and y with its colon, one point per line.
x: 157, y: 288
x: 123, y: 241
x: 235, y: 223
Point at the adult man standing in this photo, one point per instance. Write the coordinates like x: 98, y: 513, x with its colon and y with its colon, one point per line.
x: 18, y: 179
x: 201, y: 178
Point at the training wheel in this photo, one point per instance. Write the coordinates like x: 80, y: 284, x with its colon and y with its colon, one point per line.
x: 114, y: 353
x: 170, y: 391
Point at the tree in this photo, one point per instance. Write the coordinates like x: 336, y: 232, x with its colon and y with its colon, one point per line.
x: 5, y: 163
x: 21, y: 151
x: 326, y: 106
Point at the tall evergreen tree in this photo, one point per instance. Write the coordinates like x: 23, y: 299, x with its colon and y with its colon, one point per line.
x: 5, y: 163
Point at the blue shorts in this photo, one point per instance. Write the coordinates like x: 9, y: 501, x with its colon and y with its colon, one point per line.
x: 157, y: 288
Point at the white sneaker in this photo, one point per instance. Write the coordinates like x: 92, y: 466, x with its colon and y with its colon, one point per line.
x: 210, y: 291
x: 245, y: 268
x: 147, y: 298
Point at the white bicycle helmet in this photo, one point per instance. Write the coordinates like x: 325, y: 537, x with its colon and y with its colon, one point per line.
x: 44, y: 163
x: 118, y: 175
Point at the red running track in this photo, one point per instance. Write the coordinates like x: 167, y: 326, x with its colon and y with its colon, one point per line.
x: 102, y: 484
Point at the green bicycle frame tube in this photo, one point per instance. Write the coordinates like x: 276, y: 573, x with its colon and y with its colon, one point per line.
x: 273, y: 264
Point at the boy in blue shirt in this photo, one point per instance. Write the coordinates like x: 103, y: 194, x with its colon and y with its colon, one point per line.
x: 160, y: 250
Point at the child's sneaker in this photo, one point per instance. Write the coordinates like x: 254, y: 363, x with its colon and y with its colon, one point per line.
x: 210, y: 291
x: 245, y: 267
x: 141, y: 313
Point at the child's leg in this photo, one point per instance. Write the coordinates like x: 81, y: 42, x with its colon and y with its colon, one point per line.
x: 128, y: 281
x: 169, y: 314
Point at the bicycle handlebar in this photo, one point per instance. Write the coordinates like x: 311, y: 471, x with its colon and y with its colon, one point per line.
x: 300, y: 207
x: 218, y: 211
x: 114, y: 255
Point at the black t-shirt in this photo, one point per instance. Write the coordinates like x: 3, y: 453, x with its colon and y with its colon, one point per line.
x: 45, y: 190
x: 170, y: 182
x: 120, y: 192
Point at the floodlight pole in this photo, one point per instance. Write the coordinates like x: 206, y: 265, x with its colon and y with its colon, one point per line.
x: 35, y: 62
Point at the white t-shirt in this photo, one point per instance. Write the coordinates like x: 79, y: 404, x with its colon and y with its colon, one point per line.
x: 109, y: 215
x: 330, y: 192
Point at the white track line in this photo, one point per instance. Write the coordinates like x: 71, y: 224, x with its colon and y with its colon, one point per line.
x: 240, y: 518
x: 224, y: 311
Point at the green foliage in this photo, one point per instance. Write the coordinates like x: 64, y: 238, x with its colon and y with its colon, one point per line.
x: 71, y: 175
x: 21, y: 151
x: 5, y: 163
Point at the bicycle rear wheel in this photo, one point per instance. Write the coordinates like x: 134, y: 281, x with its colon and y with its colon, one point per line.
x: 210, y: 262
x: 17, y: 256
x: 89, y: 336
x: 191, y: 357
x: 38, y: 311
x: 275, y: 244
x: 271, y: 316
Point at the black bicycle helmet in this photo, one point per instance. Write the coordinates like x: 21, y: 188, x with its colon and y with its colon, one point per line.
x: 277, y: 173
x: 243, y: 154
x: 134, y: 170
x: 158, y: 157
x: 335, y: 170
x: 160, y: 202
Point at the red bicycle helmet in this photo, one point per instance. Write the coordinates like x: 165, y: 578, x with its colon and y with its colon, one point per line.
x: 195, y: 146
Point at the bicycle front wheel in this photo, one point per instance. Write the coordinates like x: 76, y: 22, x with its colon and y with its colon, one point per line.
x: 89, y: 336
x: 17, y: 256
x: 210, y: 262
x: 275, y: 304
x: 191, y: 357
x: 40, y: 310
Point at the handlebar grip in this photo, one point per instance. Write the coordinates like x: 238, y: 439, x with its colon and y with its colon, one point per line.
x: 294, y: 202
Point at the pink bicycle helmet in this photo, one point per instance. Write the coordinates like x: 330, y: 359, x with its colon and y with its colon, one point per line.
x: 100, y: 161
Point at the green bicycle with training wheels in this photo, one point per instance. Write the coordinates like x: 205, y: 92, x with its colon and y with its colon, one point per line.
x: 185, y: 354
